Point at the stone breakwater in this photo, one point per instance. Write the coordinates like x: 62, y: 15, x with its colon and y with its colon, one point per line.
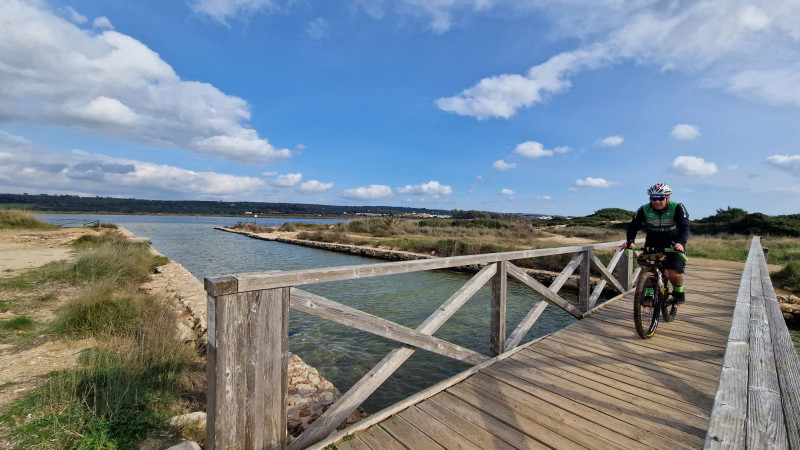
x: 541, y: 276
x: 309, y: 393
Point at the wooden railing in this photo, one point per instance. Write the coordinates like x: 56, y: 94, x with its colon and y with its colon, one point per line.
x: 248, y: 323
x: 757, y: 404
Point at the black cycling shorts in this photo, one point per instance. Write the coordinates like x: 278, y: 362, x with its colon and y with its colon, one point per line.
x: 675, y: 262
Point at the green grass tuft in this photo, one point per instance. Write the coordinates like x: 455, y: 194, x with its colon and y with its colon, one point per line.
x: 16, y: 219
x: 16, y: 324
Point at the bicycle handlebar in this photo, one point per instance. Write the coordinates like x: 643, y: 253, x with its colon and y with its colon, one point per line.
x: 666, y: 250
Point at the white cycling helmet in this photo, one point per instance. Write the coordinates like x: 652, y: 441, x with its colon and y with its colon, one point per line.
x: 659, y: 189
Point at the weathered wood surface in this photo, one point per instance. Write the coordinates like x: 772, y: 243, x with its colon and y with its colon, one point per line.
x: 758, y: 399
x: 594, y: 384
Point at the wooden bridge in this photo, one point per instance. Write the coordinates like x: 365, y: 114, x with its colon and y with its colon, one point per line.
x: 594, y: 384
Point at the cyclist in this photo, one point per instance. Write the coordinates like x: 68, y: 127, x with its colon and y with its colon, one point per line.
x: 667, y: 226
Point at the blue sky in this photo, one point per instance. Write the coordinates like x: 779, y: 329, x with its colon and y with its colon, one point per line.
x: 523, y: 106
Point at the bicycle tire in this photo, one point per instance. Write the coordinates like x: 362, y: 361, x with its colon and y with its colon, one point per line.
x: 668, y: 307
x: 645, y: 317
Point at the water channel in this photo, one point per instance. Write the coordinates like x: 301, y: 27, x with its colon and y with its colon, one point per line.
x: 341, y: 354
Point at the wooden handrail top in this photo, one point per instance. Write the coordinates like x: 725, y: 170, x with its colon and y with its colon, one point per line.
x: 247, y: 282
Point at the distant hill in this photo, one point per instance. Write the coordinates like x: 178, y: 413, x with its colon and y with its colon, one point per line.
x: 74, y: 203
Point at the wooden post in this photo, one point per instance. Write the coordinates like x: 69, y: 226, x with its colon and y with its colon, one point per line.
x: 248, y: 351
x: 499, y: 297
x: 584, y: 287
x: 624, y: 270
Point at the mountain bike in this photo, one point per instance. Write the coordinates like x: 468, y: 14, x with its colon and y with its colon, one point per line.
x: 653, y: 281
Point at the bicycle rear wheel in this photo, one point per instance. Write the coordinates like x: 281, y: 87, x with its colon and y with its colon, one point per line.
x: 668, y: 307
x: 645, y: 317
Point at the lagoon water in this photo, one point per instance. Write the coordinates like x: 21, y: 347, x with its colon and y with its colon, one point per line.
x: 341, y: 354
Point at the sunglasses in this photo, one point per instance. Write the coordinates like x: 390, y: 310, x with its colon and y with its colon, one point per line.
x: 657, y: 197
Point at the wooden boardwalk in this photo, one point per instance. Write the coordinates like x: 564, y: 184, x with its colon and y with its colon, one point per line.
x: 594, y: 384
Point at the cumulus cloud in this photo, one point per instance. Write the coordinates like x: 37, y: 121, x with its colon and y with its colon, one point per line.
x: 371, y: 192
x: 692, y: 166
x: 789, y: 163
x: 507, y: 192
x: 543, y: 197
x: 594, y: 183
x: 55, y: 72
x: 503, y: 95
x: 431, y: 188
x: 747, y: 49
x: 685, y: 132
x: 502, y: 165
x: 288, y: 180
x: 314, y: 186
x: 611, y: 141
x: 533, y: 149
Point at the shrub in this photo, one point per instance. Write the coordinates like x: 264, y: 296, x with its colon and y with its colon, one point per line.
x: 788, y: 277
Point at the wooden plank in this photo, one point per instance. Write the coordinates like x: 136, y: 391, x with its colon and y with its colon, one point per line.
x: 672, y: 413
x: 258, y: 281
x: 765, y: 422
x: 336, y: 312
x: 635, y: 422
x: 551, y: 296
x: 653, y: 387
x: 354, y: 443
x: 787, y: 363
x: 496, y: 427
x: 379, y: 439
x: 606, y: 271
x: 359, y: 392
x: 525, y: 324
x: 473, y: 433
x: 525, y: 406
x: 511, y: 413
x: 436, y: 430
x: 594, y: 418
x: 407, y: 434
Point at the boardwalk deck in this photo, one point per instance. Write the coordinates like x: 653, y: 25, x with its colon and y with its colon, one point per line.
x: 594, y: 384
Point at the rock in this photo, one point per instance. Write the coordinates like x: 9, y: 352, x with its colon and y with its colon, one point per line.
x: 186, y: 445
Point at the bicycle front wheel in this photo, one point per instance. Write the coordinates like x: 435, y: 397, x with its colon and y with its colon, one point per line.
x: 645, y: 317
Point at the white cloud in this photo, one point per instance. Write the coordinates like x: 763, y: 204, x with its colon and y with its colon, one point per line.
x: 747, y: 49
x: 314, y: 186
x: 431, y: 188
x: 372, y: 192
x: 502, y: 165
x: 533, y: 149
x: 317, y: 28
x: 288, y: 180
x: 611, y: 141
x: 30, y: 167
x: 507, y: 192
x: 594, y: 183
x: 693, y: 166
x: 102, y: 23
x: 685, y: 132
x: 789, y: 163
x: 543, y: 197
x: 54, y: 72
x: 503, y: 95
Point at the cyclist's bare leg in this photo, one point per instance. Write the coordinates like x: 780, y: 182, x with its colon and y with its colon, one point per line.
x: 675, y: 278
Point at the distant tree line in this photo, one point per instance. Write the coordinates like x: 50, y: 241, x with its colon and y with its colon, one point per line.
x: 74, y: 203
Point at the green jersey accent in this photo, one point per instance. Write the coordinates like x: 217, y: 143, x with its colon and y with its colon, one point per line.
x: 661, y: 222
